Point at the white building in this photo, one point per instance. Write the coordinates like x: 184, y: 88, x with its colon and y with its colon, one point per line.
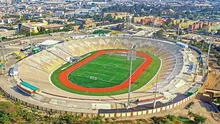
x: 59, y: 13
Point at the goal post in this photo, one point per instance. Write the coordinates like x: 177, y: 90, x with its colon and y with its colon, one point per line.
x: 131, y: 55
x: 93, y: 78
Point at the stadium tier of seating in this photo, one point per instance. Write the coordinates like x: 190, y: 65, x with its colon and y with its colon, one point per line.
x: 42, y: 64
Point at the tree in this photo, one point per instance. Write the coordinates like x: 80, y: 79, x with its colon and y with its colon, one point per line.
x: 66, y: 119
x: 199, y: 119
x: 4, y: 118
x: 94, y: 121
x: 156, y: 120
x: 109, y: 18
x: 4, y: 38
x: 171, y: 117
x: 101, y: 32
x: 159, y: 34
x: 97, y: 18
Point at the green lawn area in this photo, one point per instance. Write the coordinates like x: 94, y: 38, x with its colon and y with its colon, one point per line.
x: 105, y: 71
x: 144, y: 78
x: 101, y: 32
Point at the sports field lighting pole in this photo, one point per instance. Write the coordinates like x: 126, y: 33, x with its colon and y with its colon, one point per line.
x: 30, y: 42
x: 129, y: 85
x: 210, y: 44
x: 3, y: 56
x: 178, y: 34
x: 30, y: 31
x: 155, y: 93
x: 131, y: 64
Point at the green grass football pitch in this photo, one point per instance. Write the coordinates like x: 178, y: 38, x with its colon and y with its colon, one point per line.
x: 141, y: 81
x: 105, y: 71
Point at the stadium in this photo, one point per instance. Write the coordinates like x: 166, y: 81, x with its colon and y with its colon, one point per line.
x: 110, y: 76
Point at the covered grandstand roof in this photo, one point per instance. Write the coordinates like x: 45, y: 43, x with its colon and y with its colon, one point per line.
x: 49, y: 42
x: 29, y: 86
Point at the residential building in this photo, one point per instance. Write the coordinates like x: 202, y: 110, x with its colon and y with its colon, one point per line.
x: 31, y: 27
x: 117, y: 15
x: 86, y: 23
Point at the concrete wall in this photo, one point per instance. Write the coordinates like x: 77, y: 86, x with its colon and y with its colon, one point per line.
x: 149, y: 111
x: 106, y: 115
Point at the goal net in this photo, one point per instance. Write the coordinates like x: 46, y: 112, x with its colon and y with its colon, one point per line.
x: 92, y: 77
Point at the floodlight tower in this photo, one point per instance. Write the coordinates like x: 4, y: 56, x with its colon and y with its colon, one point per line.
x: 155, y: 93
x: 131, y: 56
x: 210, y: 44
x: 30, y: 31
x: 3, y: 56
x: 178, y: 33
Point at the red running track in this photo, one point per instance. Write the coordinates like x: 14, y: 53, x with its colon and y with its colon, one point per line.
x: 65, y: 81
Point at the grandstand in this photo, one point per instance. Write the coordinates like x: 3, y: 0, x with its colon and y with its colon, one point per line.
x: 79, y: 47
